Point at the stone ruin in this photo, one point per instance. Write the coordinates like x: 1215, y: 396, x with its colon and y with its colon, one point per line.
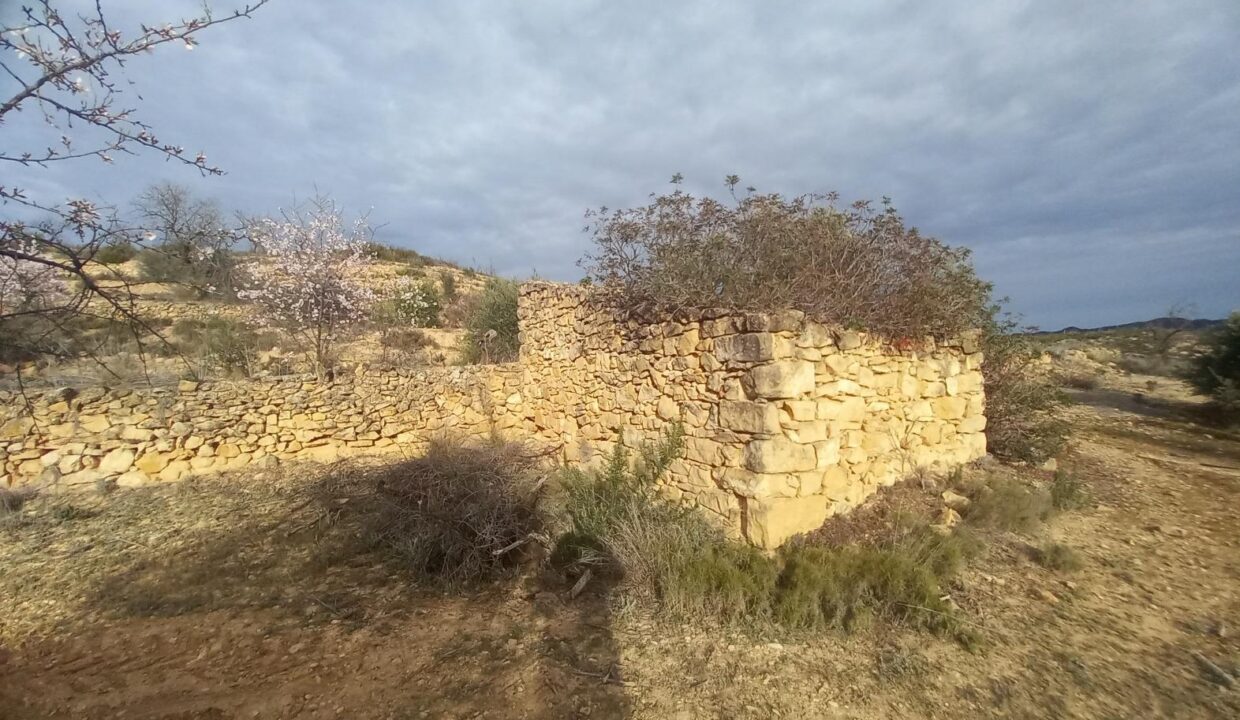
x: 786, y: 421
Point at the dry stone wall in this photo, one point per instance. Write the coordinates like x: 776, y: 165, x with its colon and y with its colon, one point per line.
x: 76, y: 438
x: 786, y: 421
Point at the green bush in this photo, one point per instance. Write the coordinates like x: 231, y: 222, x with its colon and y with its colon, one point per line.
x: 674, y: 556
x: 491, y: 324
x: 1216, y: 372
x: 406, y: 340
x: 1081, y: 381
x: 1067, y: 491
x: 115, y: 253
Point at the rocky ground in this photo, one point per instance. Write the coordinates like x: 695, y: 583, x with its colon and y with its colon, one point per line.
x: 233, y: 597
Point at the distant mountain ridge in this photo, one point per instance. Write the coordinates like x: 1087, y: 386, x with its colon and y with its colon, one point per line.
x: 1162, y: 322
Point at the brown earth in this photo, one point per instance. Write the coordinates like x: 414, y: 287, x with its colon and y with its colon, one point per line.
x: 235, y: 598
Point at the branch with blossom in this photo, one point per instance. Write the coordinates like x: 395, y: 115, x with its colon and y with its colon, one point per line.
x: 309, y: 277
x: 68, y: 69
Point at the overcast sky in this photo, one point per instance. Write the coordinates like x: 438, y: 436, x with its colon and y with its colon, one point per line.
x: 1088, y: 152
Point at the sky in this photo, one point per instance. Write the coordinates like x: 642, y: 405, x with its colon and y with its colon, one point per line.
x: 1087, y: 153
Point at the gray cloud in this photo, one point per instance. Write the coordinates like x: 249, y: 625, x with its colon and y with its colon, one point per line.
x: 1085, y: 151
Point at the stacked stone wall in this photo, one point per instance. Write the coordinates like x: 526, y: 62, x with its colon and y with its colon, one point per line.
x: 786, y: 421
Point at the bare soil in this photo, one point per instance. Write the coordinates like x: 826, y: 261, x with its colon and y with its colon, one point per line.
x: 235, y: 597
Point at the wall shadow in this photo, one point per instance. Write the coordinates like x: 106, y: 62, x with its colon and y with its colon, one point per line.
x: 286, y: 610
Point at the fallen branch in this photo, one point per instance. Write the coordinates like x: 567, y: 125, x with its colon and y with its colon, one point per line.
x: 1214, y: 672
x: 580, y: 584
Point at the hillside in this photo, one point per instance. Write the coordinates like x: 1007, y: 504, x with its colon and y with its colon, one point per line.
x: 1161, y: 323
x: 185, y: 335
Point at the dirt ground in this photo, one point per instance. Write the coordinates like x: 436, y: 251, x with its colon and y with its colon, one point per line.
x: 223, y: 598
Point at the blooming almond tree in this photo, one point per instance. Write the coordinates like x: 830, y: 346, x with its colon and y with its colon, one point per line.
x: 63, y: 66
x: 309, y: 278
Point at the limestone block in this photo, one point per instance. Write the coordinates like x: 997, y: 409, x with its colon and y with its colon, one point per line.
x: 815, y: 335
x: 974, y: 424
x: 668, y: 409
x: 136, y: 434
x: 785, y: 379
x: 16, y: 428
x: 116, y: 461
x: 800, y: 409
x: 773, y: 521
x: 876, y: 442
x: 60, y: 430
x: 746, y: 347
x: 758, y: 485
x: 826, y: 453
x: 719, y: 502
x: 836, y: 483
x: 811, y: 431
x: 748, y: 416
x: 94, y: 423
x: 778, y: 455
x: 175, y: 470
x: 152, y: 462
x: 82, y: 477
x: 950, y: 408
x: 921, y: 410
x: 836, y: 364
x: 969, y: 382
x: 702, y: 450
x: 845, y: 410
x: 848, y: 340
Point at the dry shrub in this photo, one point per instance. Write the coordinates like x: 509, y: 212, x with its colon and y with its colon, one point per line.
x: 1022, y: 404
x: 1067, y: 491
x: 1006, y: 504
x: 1216, y: 372
x: 1057, y: 556
x: 13, y: 499
x: 459, y: 514
x: 1081, y: 381
x: 855, y: 266
x: 407, y: 341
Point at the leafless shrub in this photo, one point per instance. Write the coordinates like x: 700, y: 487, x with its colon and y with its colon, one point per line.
x: 460, y: 514
x: 1022, y: 404
x: 13, y: 499
x: 1081, y: 381
x: 856, y: 266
